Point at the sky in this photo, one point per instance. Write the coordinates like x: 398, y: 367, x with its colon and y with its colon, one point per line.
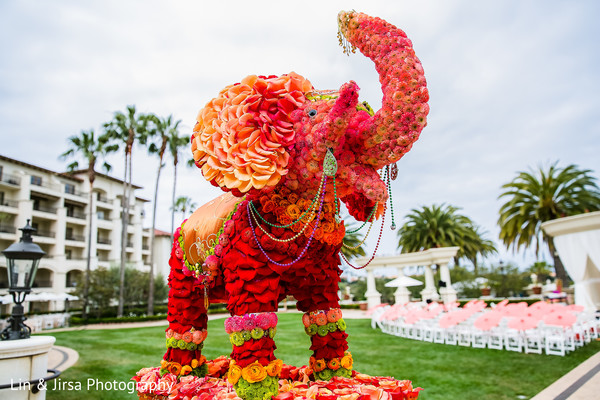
x: 513, y: 85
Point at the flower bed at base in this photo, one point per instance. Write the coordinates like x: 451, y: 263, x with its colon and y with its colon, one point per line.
x: 295, y: 383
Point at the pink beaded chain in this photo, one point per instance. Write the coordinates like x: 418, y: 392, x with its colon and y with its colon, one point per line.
x: 305, y: 249
x: 376, y: 246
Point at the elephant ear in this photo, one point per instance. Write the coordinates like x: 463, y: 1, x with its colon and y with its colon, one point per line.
x: 241, y: 137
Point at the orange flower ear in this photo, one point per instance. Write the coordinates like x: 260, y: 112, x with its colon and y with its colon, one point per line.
x: 240, y: 137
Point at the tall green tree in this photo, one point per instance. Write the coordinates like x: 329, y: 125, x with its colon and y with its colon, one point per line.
x: 159, y: 130
x: 183, y: 205
x: 443, y: 226
x: 538, y: 196
x: 125, y: 128
x: 91, y: 149
x: 175, y: 143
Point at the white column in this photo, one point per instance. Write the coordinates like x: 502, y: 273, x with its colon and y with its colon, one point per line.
x: 448, y: 293
x: 372, y: 295
x: 429, y: 292
x: 402, y: 294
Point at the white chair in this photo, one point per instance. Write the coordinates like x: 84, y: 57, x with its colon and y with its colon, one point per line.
x: 513, y: 341
x: 496, y: 339
x: 451, y: 336
x: 438, y: 335
x: 464, y: 337
x: 533, y: 342
x: 555, y: 345
x: 479, y: 339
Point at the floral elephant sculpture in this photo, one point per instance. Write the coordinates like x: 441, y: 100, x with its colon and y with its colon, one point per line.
x: 287, y: 155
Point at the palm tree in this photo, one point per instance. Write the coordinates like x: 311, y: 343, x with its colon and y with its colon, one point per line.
x: 353, y: 241
x: 184, y: 204
x: 539, y: 196
x: 91, y: 149
x: 475, y: 245
x: 161, y: 129
x: 443, y: 226
x: 175, y: 144
x: 125, y: 128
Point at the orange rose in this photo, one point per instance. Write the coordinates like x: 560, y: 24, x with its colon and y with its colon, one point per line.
x: 274, y: 367
x: 174, y: 368
x: 186, y: 370
x: 319, y: 365
x: 187, y: 336
x: 254, y: 372
x: 327, y: 227
x: 164, y: 364
x: 321, y: 318
x: 346, y: 362
x: 234, y: 373
x: 293, y: 211
x: 311, y: 362
x: 334, y: 364
x: 293, y: 197
x: 194, y: 363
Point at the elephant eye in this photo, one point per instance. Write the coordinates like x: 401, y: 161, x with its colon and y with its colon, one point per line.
x: 312, y: 112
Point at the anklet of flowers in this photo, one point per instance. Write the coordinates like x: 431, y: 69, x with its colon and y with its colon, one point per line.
x: 190, y: 340
x: 196, y: 368
x: 251, y: 326
x: 322, y: 322
x: 326, y: 369
x: 255, y: 381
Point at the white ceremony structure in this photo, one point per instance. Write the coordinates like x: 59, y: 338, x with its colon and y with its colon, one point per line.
x: 427, y: 258
x: 577, y: 240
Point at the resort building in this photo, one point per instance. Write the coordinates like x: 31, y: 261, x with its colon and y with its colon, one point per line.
x: 58, y: 206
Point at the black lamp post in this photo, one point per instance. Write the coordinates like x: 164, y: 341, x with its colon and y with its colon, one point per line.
x: 22, y: 261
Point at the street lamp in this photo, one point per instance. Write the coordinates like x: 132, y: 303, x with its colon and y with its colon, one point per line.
x: 22, y: 261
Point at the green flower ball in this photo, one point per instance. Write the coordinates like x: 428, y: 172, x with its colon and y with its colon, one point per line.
x: 322, y: 330
x: 237, y: 339
x: 246, y: 335
x: 311, y: 329
x: 182, y: 344
x: 341, y: 324
x: 331, y: 327
x: 272, y: 331
x: 257, y: 333
x: 191, y: 346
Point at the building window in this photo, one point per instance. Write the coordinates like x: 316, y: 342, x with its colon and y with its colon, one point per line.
x: 1, y: 198
x: 69, y: 254
x: 69, y: 188
x: 36, y: 180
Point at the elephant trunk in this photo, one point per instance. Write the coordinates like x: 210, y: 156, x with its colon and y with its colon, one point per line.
x: 391, y: 131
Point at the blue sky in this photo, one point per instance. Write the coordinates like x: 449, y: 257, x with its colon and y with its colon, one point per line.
x: 513, y: 84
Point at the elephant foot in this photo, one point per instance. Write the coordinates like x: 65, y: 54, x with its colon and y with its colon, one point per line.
x: 255, y: 381
x: 254, y: 371
x: 324, y: 369
x: 326, y: 329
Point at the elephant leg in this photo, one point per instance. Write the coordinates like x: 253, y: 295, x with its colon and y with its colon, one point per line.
x: 324, y: 324
x: 187, y: 321
x: 254, y: 371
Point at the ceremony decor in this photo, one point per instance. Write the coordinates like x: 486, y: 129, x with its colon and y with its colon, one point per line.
x: 287, y: 155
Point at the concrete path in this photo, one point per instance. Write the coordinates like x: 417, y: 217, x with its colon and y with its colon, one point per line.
x: 581, y: 383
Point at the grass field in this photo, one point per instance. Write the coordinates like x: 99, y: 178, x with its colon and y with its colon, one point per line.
x: 445, y: 372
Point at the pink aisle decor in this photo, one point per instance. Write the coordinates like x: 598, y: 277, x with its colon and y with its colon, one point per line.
x: 523, y: 323
x: 487, y: 321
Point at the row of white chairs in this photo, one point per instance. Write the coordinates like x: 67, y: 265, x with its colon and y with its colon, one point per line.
x: 551, y: 340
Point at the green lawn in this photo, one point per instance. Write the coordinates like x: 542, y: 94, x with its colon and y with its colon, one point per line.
x: 446, y: 372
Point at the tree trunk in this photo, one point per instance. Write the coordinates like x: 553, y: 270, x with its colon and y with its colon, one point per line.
x: 559, y: 268
x: 88, y: 267
x: 151, y: 276
x: 173, y: 198
x: 124, y: 222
